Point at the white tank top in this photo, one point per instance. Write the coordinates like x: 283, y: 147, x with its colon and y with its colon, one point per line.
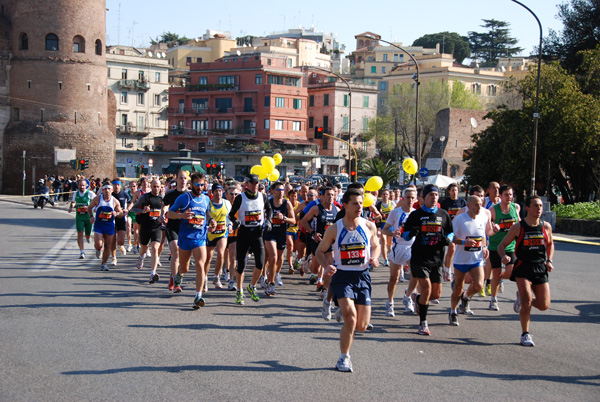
x: 352, y: 249
x: 466, y: 227
x: 252, y: 212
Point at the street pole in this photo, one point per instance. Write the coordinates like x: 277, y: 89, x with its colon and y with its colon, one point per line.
x: 536, y: 114
x: 351, y: 147
x: 24, y: 175
x: 417, y: 76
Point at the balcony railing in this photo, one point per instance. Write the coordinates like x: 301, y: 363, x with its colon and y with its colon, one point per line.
x: 141, y: 85
x: 210, y: 110
x: 211, y: 87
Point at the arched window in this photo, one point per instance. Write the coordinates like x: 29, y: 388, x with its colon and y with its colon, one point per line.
x: 23, y: 42
x: 78, y: 44
x: 51, y: 42
x: 98, y: 47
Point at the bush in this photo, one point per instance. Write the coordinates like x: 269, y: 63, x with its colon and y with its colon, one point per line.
x: 580, y: 210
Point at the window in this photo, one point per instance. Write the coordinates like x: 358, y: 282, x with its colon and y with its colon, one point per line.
x: 156, y: 77
x: 156, y: 100
x: 279, y: 102
x: 124, y: 119
x: 383, y: 86
x: 401, y: 57
x: 258, y: 79
x: 98, y: 47
x: 345, y: 124
x: 188, y: 61
x: 373, y: 69
x: 297, y: 103
x: 156, y: 121
x: 180, y: 145
x: 326, y: 123
x: 365, y: 123
x: 477, y: 88
x: 29, y: 84
x: 365, y: 101
x: 199, y: 104
x: 51, y: 42
x: 202, y: 147
x: 492, y: 90
x: 59, y: 85
x: 223, y: 124
x: 289, y: 63
x: 202, y: 80
x: 268, y: 62
x: 198, y: 59
x: 396, y: 57
x: 78, y: 44
x: 281, y: 80
x: 23, y: 42
x: 311, y: 101
x: 140, y: 98
x: 325, y: 142
x: 267, y: 124
x: 227, y: 79
x: 199, y: 125
x: 140, y: 75
x: 311, y: 121
x: 222, y: 104
x: 123, y: 97
x: 382, y: 69
x: 181, y: 105
x: 364, y: 145
x: 278, y: 124
x: 385, y: 57
x: 124, y: 74
x: 42, y: 111
x: 296, y: 126
x: 267, y: 101
x: 326, y: 100
x: 141, y: 123
x: 346, y: 100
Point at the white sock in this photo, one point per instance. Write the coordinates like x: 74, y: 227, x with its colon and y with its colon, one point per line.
x: 344, y: 355
x: 198, y: 294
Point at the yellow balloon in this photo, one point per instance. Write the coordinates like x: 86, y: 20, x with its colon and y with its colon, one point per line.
x: 410, y: 166
x: 262, y: 174
x: 274, y: 175
x: 374, y: 183
x: 368, y: 200
x: 256, y: 169
x: 267, y: 163
x: 277, y: 158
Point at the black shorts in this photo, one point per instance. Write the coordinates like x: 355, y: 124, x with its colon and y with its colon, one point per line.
x: 213, y: 242
x: 231, y: 239
x: 280, y: 239
x: 302, y: 237
x: 148, y: 235
x: 120, y: 224
x: 537, y: 274
x: 172, y: 235
x: 314, y: 245
x: 433, y: 273
x: 496, y: 261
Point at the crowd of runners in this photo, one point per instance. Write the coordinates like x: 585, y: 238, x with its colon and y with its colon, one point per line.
x: 328, y: 236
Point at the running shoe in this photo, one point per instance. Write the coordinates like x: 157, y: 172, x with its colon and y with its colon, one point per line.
x: 226, y: 276
x: 129, y: 248
x: 231, y: 285
x: 198, y: 302
x: 148, y: 253
x: 158, y: 263
x: 453, y: 319
x: 339, y: 317
x: 270, y: 290
x: 320, y: 285
x: 401, y: 278
x: 344, y: 364
x: 114, y: 262
x: 517, y: 305
x: 435, y: 301
x: 409, y: 305
x: 262, y: 282
x: 501, y: 289
x: 326, y: 310
x: 278, y: 280
x: 88, y: 239
x: 217, y: 282
x: 140, y: 262
x: 389, y: 309
x: 415, y: 304
x: 253, y: 294
x: 122, y: 250
x: 494, y: 305
x: 369, y: 327
x: 104, y: 267
x: 153, y: 278
x: 488, y: 289
x: 82, y: 256
x: 323, y: 294
x: 239, y: 298
x: 177, y: 289
x: 462, y: 309
x: 313, y: 279
x: 171, y: 282
x: 527, y: 340
x: 136, y: 249
x: 177, y: 280
x: 205, y: 286
x: 98, y: 253
x: 291, y: 271
x: 424, y: 328
x: 387, y: 263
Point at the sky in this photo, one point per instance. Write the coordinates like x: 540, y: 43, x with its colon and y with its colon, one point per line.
x: 134, y: 22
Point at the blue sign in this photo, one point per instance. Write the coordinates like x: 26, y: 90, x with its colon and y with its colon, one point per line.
x: 424, y: 172
x: 129, y: 160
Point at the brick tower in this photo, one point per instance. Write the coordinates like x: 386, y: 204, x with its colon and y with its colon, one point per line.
x: 59, y: 106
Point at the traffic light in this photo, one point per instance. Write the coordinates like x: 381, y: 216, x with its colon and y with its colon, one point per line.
x: 214, y: 168
x: 319, y: 133
x: 353, y: 170
x: 208, y: 168
x: 74, y: 164
x: 84, y: 164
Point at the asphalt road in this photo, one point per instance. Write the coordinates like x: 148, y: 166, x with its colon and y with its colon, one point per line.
x: 72, y: 332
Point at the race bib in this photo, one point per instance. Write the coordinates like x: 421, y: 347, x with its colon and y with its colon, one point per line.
x: 506, y: 224
x: 154, y: 214
x: 477, y: 247
x: 533, y: 242
x: 252, y: 218
x: 197, y: 221
x: 431, y: 227
x: 82, y: 210
x: 219, y: 229
x: 105, y: 216
x: 453, y: 211
x: 278, y: 222
x: 352, y: 254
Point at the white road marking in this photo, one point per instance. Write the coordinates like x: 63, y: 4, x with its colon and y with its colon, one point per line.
x: 51, y: 254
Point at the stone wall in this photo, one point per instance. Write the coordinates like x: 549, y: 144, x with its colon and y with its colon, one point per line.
x: 578, y: 226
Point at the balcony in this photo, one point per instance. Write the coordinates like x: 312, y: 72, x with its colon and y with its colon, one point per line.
x: 142, y: 85
x: 210, y: 110
x: 138, y: 85
x: 211, y: 87
x: 134, y: 130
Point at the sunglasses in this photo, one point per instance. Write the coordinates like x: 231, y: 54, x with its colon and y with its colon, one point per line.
x: 198, y: 184
x: 310, y: 195
x: 279, y: 189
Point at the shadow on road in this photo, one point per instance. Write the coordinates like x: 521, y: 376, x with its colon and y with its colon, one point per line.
x: 39, y: 222
x: 580, y: 380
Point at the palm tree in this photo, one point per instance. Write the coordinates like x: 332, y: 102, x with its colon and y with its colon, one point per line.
x: 388, y: 170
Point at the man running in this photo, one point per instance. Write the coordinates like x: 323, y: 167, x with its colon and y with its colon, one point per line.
x: 534, y: 250
x: 120, y: 222
x: 452, y: 204
x: 232, y: 191
x: 219, y: 209
x: 355, y: 247
x: 107, y: 208
x: 172, y: 226
x: 385, y: 206
x: 81, y: 201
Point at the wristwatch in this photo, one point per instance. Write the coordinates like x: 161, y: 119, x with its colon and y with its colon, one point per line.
x: 548, y: 260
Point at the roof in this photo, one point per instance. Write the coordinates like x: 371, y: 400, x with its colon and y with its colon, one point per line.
x: 374, y: 35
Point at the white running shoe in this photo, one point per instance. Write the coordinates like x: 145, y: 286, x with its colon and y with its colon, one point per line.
x: 82, y: 255
x: 158, y: 263
x: 278, y: 280
x: 527, y: 340
x: 494, y: 305
x: 326, y: 310
x: 339, y: 317
x: 98, y: 253
x: 344, y: 364
x: 389, y: 309
x: 114, y: 262
x: 104, y: 267
x: 409, y: 305
x: 129, y: 248
x: 148, y: 253
x: 435, y: 301
x: 122, y: 250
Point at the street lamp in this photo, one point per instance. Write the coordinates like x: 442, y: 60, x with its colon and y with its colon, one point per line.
x: 536, y: 114
x: 416, y: 78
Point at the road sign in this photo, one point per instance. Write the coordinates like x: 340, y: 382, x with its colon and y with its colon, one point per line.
x: 150, y: 162
x: 129, y: 160
x: 424, y: 172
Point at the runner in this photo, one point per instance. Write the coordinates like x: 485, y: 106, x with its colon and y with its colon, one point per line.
x: 452, y: 204
x: 534, y: 249
x: 131, y: 242
x: 291, y: 234
x: 106, y: 208
x: 120, y: 222
x: 232, y: 191
x: 401, y: 249
x: 493, y: 198
x: 253, y: 211
x: 192, y: 208
x: 219, y: 209
x: 275, y: 239
x: 172, y: 226
x: 355, y: 248
x: 384, y: 207
x: 505, y: 214
x: 80, y: 201
x: 432, y: 228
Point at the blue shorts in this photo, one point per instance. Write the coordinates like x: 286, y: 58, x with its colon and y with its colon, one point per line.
x: 355, y: 285
x: 107, y: 228
x: 187, y: 244
x: 293, y: 234
x: 270, y: 236
x: 464, y: 268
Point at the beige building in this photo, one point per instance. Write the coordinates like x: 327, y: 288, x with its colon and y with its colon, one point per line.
x: 139, y: 80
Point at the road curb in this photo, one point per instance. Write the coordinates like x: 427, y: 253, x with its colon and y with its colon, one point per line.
x: 567, y: 240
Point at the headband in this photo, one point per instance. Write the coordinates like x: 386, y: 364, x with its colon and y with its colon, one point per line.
x: 428, y: 190
x: 117, y: 182
x: 109, y: 186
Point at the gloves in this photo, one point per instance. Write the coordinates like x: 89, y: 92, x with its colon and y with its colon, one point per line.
x: 236, y: 224
x: 446, y: 241
x: 413, y: 232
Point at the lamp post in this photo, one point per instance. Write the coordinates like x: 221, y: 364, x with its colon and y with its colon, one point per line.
x: 536, y: 114
x: 345, y: 81
x: 416, y: 78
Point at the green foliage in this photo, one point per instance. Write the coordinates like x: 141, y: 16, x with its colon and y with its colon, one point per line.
x: 388, y: 171
x: 170, y: 38
x: 450, y: 42
x: 461, y: 98
x: 588, y: 72
x: 580, y: 210
x: 496, y: 42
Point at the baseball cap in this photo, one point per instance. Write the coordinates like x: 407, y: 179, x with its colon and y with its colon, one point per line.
x: 252, y: 178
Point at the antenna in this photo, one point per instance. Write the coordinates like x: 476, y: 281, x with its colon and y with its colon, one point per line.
x: 119, y: 26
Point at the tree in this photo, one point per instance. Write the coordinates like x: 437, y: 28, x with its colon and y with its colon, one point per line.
x: 450, y: 42
x: 244, y: 40
x: 388, y: 170
x: 568, y: 153
x: 170, y: 38
x: 487, y: 47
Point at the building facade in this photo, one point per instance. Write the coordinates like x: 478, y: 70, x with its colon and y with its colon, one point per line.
x: 60, y: 106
